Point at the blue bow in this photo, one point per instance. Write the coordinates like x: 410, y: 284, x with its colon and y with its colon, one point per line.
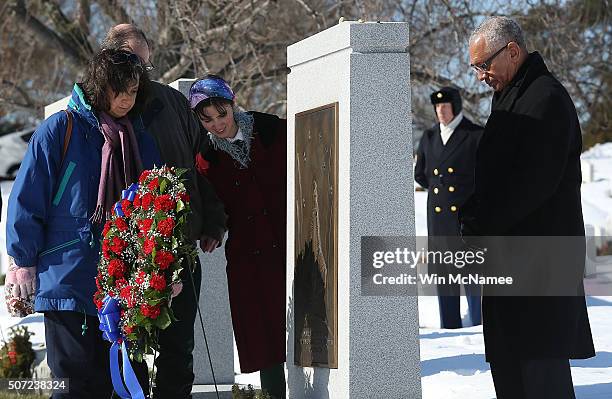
x: 109, y: 315
x: 127, y: 194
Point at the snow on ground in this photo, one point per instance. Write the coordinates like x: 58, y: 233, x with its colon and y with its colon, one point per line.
x: 453, y: 363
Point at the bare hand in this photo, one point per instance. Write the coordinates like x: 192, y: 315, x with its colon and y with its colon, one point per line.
x: 176, y: 289
x: 208, y: 244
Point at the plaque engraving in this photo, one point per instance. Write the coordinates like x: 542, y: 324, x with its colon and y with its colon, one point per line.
x: 316, y: 238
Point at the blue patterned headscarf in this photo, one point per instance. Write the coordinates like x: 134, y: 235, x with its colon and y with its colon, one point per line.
x: 209, y: 87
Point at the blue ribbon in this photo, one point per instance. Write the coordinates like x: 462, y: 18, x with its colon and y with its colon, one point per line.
x: 127, y: 194
x: 109, y: 315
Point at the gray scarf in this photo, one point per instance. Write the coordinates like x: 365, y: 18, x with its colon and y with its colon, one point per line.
x: 239, y: 151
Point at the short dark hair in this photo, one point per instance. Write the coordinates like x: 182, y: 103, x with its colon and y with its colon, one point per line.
x: 216, y: 102
x: 105, y: 72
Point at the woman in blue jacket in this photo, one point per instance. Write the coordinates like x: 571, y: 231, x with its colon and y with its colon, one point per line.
x: 57, y: 208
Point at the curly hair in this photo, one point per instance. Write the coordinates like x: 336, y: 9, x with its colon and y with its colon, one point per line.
x: 104, y: 72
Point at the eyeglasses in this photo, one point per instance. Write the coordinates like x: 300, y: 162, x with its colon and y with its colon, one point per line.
x: 148, y: 67
x: 124, y: 57
x: 484, y: 67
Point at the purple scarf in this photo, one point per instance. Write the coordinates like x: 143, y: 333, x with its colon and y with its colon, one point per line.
x: 121, y: 163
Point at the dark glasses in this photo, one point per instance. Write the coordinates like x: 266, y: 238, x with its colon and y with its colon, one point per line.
x: 125, y: 57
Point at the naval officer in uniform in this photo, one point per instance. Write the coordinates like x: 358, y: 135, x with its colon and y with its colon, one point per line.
x: 445, y: 167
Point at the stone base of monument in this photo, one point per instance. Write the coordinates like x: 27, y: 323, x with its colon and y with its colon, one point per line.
x: 208, y: 392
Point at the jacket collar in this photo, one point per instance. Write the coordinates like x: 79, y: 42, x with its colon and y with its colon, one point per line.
x: 532, y: 68
x: 79, y: 105
x: 458, y: 136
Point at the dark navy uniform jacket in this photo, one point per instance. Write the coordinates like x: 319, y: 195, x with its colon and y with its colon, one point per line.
x: 447, y: 171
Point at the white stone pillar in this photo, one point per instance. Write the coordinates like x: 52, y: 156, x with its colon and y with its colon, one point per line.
x: 364, y: 67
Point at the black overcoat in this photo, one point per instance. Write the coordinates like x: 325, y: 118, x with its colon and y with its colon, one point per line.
x: 528, y: 184
x: 447, y: 171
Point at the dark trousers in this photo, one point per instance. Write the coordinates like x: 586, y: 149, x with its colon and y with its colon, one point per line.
x: 533, y: 379
x: 174, y: 362
x: 83, y: 359
x: 450, y: 313
x: 273, y: 381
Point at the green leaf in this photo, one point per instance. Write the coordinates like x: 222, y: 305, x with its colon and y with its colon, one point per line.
x: 163, y: 184
x: 180, y: 205
x: 163, y: 320
x: 171, y: 314
x: 175, y: 243
x: 138, y: 319
x: 180, y: 172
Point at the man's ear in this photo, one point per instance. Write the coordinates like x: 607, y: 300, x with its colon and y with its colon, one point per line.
x: 515, y: 51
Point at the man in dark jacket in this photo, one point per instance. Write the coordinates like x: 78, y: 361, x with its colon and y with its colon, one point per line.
x: 176, y: 131
x: 528, y: 184
x: 445, y: 166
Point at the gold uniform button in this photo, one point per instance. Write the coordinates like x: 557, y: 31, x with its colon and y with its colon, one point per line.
x: 451, y: 189
x: 436, y: 172
x: 439, y: 95
x: 438, y: 209
x: 453, y: 208
x: 436, y: 190
x: 451, y: 170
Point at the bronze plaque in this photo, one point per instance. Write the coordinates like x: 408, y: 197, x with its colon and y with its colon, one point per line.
x: 316, y: 238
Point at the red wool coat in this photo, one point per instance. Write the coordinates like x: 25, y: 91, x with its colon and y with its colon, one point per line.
x: 255, y: 202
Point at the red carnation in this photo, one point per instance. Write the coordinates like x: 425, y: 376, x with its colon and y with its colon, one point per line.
x: 118, y: 245
x: 107, y: 227
x: 164, y: 259
x: 137, y: 201
x: 149, y: 245
x: 126, y: 207
x: 98, y: 303
x: 122, y: 282
x: 150, y: 311
x: 126, y: 292
x: 165, y: 227
x: 157, y: 282
x: 146, y: 201
x: 164, y: 203
x: 140, y: 278
x: 105, y: 248
x: 116, y: 268
x: 184, y: 196
x: 202, y: 165
x: 144, y: 225
x: 153, y: 184
x: 128, y: 329
x: 121, y: 224
x: 143, y: 176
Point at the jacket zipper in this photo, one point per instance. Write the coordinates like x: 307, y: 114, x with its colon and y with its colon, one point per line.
x: 58, y: 247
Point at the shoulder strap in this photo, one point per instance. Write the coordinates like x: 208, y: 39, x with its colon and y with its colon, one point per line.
x: 67, y: 136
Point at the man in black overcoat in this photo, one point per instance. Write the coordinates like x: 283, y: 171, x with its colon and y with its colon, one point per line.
x: 445, y: 167
x: 528, y: 184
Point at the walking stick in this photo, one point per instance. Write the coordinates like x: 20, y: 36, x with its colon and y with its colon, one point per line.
x: 195, y: 297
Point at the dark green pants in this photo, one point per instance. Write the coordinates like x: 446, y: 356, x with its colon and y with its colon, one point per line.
x: 273, y: 381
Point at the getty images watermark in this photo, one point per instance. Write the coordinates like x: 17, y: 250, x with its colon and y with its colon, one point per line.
x: 502, y: 266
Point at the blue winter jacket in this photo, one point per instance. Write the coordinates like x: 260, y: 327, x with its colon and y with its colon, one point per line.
x: 51, y: 202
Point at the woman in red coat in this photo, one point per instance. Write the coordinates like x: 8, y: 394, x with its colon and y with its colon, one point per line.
x: 247, y: 166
